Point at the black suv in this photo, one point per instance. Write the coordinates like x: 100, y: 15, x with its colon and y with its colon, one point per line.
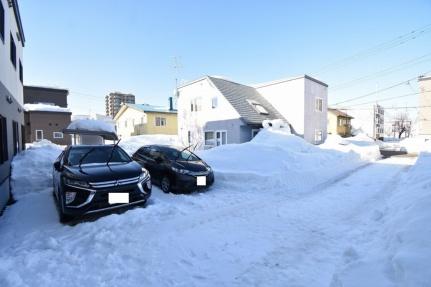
x: 175, y: 169
x: 89, y: 179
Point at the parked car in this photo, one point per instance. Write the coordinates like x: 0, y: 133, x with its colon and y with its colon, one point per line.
x: 174, y: 169
x: 93, y: 178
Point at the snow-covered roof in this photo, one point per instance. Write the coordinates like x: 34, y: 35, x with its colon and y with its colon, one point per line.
x: 45, y: 108
x: 91, y: 125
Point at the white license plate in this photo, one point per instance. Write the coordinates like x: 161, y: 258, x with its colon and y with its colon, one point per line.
x: 201, y: 181
x: 114, y: 198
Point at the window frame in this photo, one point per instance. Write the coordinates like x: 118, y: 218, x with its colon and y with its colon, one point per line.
x: 21, y: 71
x: 12, y: 51
x: 56, y: 137
x: 214, y: 102
x: 318, y: 103
x: 15, y: 137
x: 254, y: 132
x: 35, y: 135
x: 160, y: 121
x: 2, y: 22
x: 318, y: 141
x: 4, y: 152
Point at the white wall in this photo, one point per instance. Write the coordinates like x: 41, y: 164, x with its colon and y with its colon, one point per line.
x: 132, y: 117
x: 288, y: 98
x: 195, y: 121
x: 9, y: 76
x: 314, y: 119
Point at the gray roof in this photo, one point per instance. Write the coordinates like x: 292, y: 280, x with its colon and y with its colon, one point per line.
x: 239, y: 96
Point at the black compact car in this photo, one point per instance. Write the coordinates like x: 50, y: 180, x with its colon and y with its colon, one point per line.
x: 94, y: 178
x: 175, y: 169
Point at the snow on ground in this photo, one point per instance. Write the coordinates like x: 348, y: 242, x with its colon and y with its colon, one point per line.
x: 410, y: 145
x: 361, y: 144
x: 254, y: 227
x: 132, y: 144
x: 45, y: 108
x: 92, y: 125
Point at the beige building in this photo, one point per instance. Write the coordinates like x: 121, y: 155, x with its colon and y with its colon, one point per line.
x: 135, y: 119
x: 113, y: 102
x: 339, y: 123
x: 424, y: 114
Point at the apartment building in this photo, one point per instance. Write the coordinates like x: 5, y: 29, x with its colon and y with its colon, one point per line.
x: 12, y: 42
x: 113, y: 102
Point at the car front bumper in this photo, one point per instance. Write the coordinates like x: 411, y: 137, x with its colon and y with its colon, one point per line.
x: 188, y: 183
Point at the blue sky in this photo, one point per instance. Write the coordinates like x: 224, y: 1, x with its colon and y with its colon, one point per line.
x: 94, y: 47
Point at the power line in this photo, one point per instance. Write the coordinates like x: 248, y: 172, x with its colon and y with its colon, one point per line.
x: 390, y: 108
x: 383, y: 72
x: 390, y: 98
x: 402, y: 39
x: 379, y: 91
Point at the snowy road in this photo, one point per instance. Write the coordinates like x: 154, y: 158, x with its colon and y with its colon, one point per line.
x: 224, y: 237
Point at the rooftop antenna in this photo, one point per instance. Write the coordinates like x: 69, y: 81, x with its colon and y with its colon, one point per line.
x: 177, y: 66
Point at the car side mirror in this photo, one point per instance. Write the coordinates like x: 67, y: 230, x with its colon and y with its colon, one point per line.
x: 57, y: 165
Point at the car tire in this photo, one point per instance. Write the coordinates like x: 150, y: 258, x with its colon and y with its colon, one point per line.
x: 165, y: 184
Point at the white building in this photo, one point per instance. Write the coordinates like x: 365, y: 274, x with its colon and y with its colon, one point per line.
x: 303, y: 102
x: 11, y: 91
x: 369, y: 121
x: 424, y: 114
x: 214, y: 111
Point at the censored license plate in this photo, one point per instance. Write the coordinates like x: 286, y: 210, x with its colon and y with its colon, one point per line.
x: 201, y: 181
x: 122, y: 197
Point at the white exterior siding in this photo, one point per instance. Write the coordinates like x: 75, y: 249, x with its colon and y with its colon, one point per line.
x: 126, y: 122
x: 203, y: 91
x: 9, y: 75
x: 295, y: 100
x: 424, y: 114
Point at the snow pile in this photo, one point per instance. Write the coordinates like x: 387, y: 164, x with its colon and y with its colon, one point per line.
x: 92, y: 125
x: 32, y: 168
x: 133, y: 143
x: 45, y: 108
x: 415, y: 145
x: 400, y: 253
x: 360, y: 144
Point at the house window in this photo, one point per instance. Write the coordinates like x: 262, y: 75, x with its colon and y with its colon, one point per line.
x: 22, y: 137
x: 39, y: 135
x: 221, y: 137
x: 21, y: 72
x: 258, y: 107
x: 15, y: 134
x: 214, y: 102
x: 317, y: 136
x: 160, y: 122
x: 4, y: 155
x: 57, y: 135
x: 254, y: 132
x: 215, y: 138
x: 12, y: 51
x: 195, y: 105
x: 2, y: 22
x: 209, y: 138
x: 189, y: 137
x: 319, y: 104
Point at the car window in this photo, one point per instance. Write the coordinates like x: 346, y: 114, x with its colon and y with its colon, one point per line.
x: 187, y: 155
x: 154, y: 154
x: 97, y: 155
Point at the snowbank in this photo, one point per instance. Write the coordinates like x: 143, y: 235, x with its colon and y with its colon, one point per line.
x: 360, y: 144
x: 45, y: 108
x: 32, y: 168
x: 400, y: 254
x: 92, y: 125
x: 133, y: 143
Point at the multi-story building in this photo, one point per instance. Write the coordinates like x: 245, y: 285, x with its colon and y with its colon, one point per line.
x: 113, y: 102
x: 12, y: 42
x: 339, y: 123
x: 424, y: 114
x: 370, y: 121
x: 46, y: 114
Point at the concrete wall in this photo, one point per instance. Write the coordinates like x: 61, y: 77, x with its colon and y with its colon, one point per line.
x: 48, y: 122
x: 34, y: 95
x: 10, y: 86
x: 424, y: 114
x: 222, y: 117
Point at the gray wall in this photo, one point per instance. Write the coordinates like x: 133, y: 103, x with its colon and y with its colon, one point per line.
x: 237, y: 130
x: 12, y: 112
x: 34, y: 95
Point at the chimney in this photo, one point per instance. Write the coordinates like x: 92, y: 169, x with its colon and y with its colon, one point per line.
x: 171, y: 104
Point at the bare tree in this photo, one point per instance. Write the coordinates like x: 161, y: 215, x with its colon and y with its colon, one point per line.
x: 402, y: 124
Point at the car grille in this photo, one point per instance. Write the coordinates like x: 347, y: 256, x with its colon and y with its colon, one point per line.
x: 101, y: 199
x: 112, y: 183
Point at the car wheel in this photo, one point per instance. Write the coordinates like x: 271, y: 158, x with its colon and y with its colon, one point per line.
x: 165, y: 184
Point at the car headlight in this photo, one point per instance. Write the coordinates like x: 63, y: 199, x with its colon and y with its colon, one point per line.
x: 179, y: 170
x: 76, y: 183
x: 70, y: 196
x: 144, y: 175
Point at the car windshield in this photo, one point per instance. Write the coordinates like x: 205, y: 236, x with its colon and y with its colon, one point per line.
x: 96, y: 154
x: 174, y: 154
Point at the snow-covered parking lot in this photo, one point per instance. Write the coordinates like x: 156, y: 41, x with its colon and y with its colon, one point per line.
x: 281, y: 213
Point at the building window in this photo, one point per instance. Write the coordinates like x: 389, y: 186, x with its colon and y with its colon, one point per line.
x: 254, y: 132
x: 2, y: 24
x: 22, y: 137
x: 39, y: 135
x: 317, y: 136
x: 319, y: 104
x: 21, y: 72
x: 214, y: 102
x: 57, y: 135
x: 189, y: 137
x: 160, y: 122
x: 258, y: 107
x: 4, y: 155
x: 221, y: 138
x: 209, y: 138
x: 15, y: 133
x: 195, y: 105
x: 215, y: 138
x: 12, y: 51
